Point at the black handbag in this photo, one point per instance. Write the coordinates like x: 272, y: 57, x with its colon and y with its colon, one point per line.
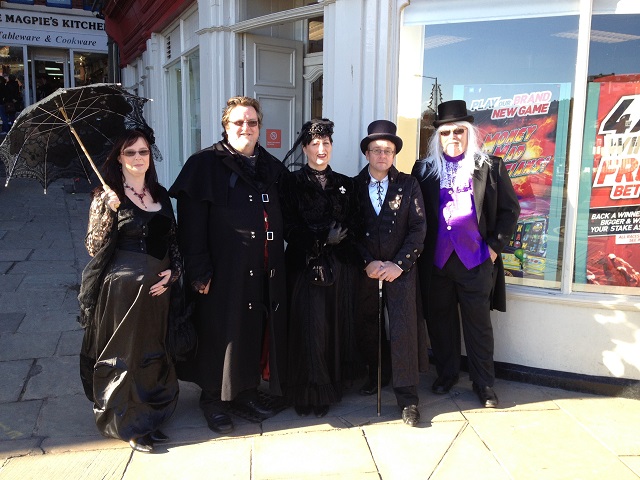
x: 182, y: 338
x: 322, y: 270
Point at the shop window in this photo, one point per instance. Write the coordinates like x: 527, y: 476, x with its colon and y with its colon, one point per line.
x: 515, y: 69
x: 608, y: 232
x: 193, y: 95
x: 316, y: 35
x: 23, y: 2
x: 89, y: 67
x: 12, y: 64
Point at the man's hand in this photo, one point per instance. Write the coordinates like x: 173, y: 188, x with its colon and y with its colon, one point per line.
x: 387, y: 271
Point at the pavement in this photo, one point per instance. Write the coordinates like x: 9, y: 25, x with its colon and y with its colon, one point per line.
x: 47, y: 429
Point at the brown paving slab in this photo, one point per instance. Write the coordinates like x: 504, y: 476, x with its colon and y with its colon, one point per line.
x: 469, y: 457
x: 403, y: 452
x: 104, y: 464
x: 220, y: 459
x: 546, y: 444
x: 312, y: 455
x: 613, y: 421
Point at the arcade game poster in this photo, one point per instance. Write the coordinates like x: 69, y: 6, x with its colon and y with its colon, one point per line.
x: 526, y: 125
x: 613, y: 245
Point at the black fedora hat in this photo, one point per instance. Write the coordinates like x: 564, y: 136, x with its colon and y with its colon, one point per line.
x: 451, y: 112
x: 381, y: 130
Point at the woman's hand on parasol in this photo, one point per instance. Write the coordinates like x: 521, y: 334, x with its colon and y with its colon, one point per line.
x: 111, y: 198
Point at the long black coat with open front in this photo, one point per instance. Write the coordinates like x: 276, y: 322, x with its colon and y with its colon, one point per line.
x: 396, y: 235
x: 222, y: 236
x: 497, y: 211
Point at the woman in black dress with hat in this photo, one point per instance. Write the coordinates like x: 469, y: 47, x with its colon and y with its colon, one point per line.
x: 321, y: 212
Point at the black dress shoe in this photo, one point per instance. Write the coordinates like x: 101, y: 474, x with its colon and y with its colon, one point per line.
x: 442, y: 385
x: 254, y: 408
x: 158, y: 437
x: 302, y: 410
x: 219, y: 423
x: 141, y: 444
x: 320, y: 410
x: 487, y: 396
x: 371, y: 386
x: 411, y: 415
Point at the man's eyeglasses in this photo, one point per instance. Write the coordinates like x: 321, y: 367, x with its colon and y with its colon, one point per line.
x: 379, y: 151
x: 132, y: 153
x: 249, y: 123
x: 457, y: 131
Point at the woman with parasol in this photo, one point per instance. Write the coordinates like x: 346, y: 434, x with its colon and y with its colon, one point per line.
x: 124, y: 298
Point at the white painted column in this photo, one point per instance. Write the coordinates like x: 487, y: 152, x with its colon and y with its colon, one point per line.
x: 361, y: 45
x: 219, y: 64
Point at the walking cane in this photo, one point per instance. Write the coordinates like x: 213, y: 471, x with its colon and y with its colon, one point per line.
x: 379, y: 346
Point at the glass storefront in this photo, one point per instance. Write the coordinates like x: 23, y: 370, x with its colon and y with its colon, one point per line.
x: 516, y: 69
x: 608, y: 234
x: 50, y: 69
x: 12, y: 61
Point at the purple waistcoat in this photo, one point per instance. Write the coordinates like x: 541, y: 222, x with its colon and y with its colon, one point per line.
x: 457, y: 221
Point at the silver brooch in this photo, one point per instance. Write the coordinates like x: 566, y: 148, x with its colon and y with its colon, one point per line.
x: 342, y: 190
x: 395, y: 203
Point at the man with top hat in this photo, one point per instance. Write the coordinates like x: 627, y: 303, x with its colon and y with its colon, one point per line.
x: 471, y: 210
x: 394, y: 231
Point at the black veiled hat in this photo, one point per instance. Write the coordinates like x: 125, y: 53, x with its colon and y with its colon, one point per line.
x: 451, y: 112
x: 381, y: 130
x: 316, y: 128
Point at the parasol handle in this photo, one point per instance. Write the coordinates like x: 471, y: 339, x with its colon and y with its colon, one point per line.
x: 75, y: 134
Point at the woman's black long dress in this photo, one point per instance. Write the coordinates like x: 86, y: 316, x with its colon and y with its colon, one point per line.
x: 322, y: 355
x: 134, y: 384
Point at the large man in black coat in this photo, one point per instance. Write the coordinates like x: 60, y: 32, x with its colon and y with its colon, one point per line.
x: 393, y: 212
x: 230, y: 232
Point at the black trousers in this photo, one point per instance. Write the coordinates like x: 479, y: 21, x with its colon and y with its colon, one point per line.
x: 367, y: 340
x: 458, y: 295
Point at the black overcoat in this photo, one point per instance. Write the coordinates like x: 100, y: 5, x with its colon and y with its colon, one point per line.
x: 223, y: 236
x: 397, y: 235
x: 497, y: 209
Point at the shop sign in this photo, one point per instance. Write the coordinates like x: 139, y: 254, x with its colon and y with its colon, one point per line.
x: 274, y: 138
x: 18, y: 27
x: 613, y: 246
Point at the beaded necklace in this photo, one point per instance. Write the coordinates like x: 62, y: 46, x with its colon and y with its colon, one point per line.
x: 139, y: 195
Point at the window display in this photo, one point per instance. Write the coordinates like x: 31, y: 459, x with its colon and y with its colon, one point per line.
x: 517, y: 78
x: 526, y: 125
x: 608, y: 234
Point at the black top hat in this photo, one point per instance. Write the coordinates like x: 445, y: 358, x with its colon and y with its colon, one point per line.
x: 451, y: 112
x: 381, y: 130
